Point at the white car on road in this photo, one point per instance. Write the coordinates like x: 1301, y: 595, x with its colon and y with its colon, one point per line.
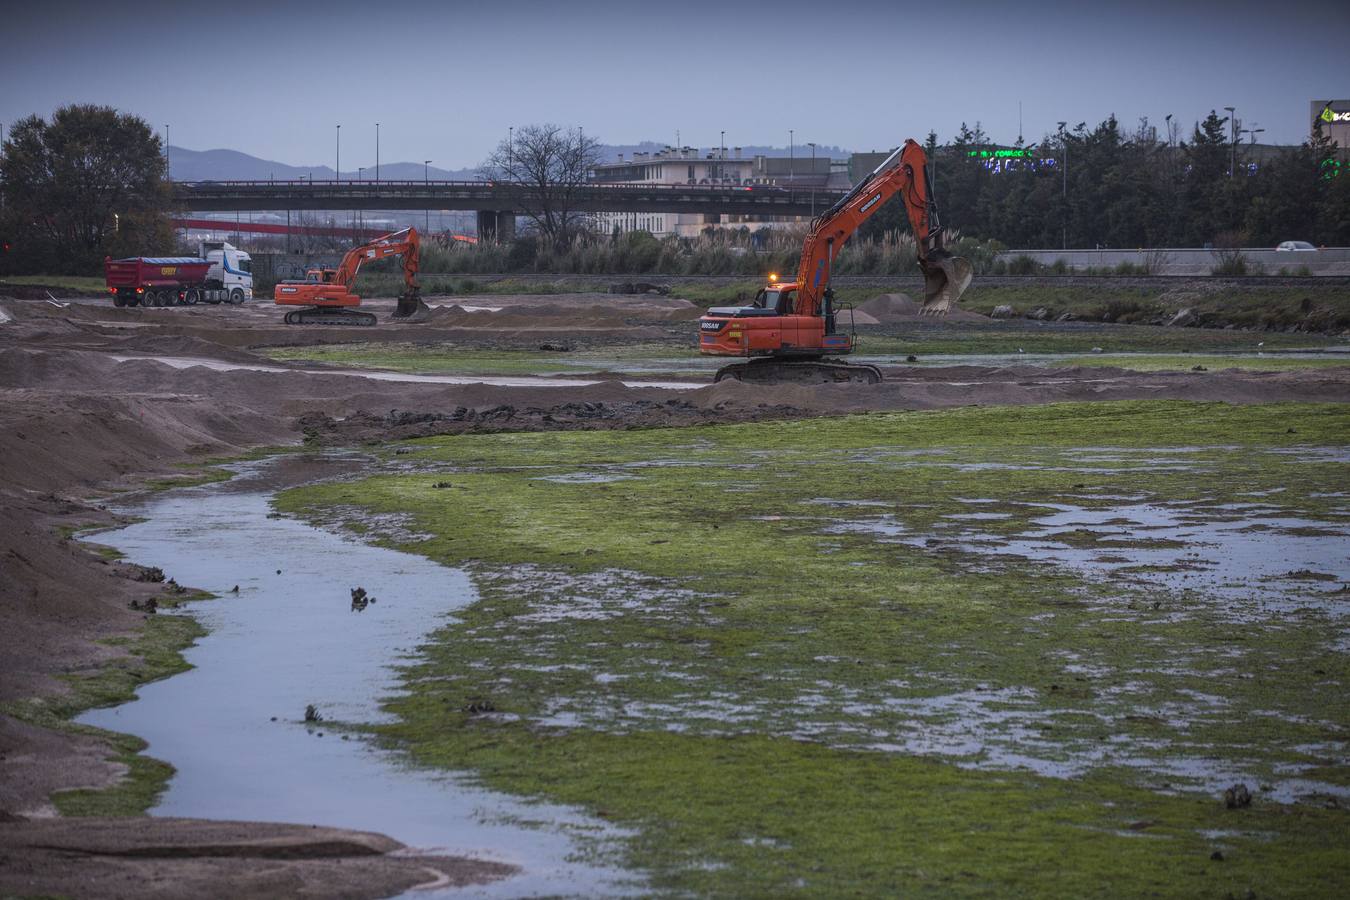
x: 1295, y: 246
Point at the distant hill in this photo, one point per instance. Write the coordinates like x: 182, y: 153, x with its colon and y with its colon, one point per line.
x: 232, y: 165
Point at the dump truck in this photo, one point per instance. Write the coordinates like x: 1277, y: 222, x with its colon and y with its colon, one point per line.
x: 220, y: 273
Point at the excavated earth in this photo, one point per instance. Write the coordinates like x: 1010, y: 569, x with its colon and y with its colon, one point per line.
x: 86, y: 409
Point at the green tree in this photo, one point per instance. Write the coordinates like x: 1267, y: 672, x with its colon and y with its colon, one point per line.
x: 90, y: 183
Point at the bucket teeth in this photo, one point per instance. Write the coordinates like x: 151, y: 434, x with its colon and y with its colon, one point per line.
x: 945, y: 280
x: 414, y: 311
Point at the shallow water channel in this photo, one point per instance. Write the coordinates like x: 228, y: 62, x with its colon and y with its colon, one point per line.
x: 233, y: 725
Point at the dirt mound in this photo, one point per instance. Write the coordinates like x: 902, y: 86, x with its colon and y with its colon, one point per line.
x: 891, y: 308
x: 553, y: 316
x: 857, y: 317
x: 184, y: 345
x: 41, y: 291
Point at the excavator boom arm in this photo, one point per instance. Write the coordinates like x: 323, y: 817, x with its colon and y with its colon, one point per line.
x: 406, y: 243
x: 905, y: 172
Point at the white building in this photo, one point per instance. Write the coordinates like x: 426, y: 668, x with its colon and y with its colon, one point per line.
x: 713, y: 168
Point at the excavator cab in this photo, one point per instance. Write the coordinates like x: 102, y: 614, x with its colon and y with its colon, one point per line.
x: 775, y: 298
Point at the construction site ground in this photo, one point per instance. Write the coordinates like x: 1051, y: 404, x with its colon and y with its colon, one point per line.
x: 733, y: 621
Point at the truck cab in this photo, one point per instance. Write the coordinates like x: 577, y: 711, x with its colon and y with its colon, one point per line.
x: 231, y: 268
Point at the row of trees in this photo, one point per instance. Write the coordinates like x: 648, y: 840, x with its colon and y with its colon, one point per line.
x: 1130, y: 189
x: 91, y: 182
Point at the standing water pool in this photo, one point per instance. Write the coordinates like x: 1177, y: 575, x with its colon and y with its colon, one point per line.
x: 233, y: 725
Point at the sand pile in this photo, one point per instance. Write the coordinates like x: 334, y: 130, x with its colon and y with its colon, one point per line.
x: 890, y: 308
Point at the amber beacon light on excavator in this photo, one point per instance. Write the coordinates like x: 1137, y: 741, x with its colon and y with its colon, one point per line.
x: 792, y: 327
x: 326, y: 295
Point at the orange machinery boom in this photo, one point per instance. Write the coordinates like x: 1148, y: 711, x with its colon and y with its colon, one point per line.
x: 909, y: 178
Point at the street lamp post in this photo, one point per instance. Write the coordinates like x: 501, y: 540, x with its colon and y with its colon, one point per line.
x: 337, y: 168
x: 360, y: 214
x: 1064, y: 187
x: 426, y: 180
x: 791, y: 154
x: 1232, y: 126
x: 510, y: 151
x: 377, y: 152
x: 168, y: 173
x: 812, y: 145
x: 722, y: 157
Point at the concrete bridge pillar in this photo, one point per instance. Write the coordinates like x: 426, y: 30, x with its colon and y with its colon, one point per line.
x: 712, y: 218
x: 496, y: 225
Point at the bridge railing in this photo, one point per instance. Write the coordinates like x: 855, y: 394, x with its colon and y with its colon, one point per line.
x: 495, y: 185
x: 620, y: 197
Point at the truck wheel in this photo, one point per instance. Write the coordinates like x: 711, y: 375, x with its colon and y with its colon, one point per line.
x: 191, y: 296
x: 160, y: 300
x: 236, y: 296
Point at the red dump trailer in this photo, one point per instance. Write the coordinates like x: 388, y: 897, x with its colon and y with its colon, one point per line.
x: 156, y: 280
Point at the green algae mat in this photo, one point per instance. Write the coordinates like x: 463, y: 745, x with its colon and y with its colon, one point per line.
x: 970, y: 652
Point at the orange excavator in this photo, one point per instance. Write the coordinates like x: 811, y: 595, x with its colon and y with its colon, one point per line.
x: 326, y: 294
x: 792, y: 327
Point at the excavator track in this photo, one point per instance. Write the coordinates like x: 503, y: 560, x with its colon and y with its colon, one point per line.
x: 321, y: 315
x: 807, y: 371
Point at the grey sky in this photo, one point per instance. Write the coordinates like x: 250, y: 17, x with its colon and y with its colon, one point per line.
x: 445, y: 80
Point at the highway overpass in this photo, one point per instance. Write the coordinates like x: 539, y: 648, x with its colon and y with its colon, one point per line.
x: 496, y: 203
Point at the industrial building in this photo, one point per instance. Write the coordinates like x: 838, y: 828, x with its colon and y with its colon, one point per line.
x: 716, y: 167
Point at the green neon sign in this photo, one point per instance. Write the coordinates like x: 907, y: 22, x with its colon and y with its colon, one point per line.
x: 1003, y: 153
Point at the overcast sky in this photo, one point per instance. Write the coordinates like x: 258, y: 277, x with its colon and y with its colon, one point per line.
x: 446, y: 79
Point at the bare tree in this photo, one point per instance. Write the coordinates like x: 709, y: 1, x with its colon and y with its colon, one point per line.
x: 547, y: 165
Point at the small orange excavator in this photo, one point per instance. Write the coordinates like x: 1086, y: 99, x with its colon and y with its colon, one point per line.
x: 326, y: 294
x: 791, y: 327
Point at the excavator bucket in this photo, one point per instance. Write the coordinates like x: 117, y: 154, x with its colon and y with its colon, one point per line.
x: 411, y: 308
x: 945, y: 279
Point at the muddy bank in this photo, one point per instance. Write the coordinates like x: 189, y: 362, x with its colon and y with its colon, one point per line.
x: 905, y: 388
x: 68, y: 612
x: 192, y: 857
